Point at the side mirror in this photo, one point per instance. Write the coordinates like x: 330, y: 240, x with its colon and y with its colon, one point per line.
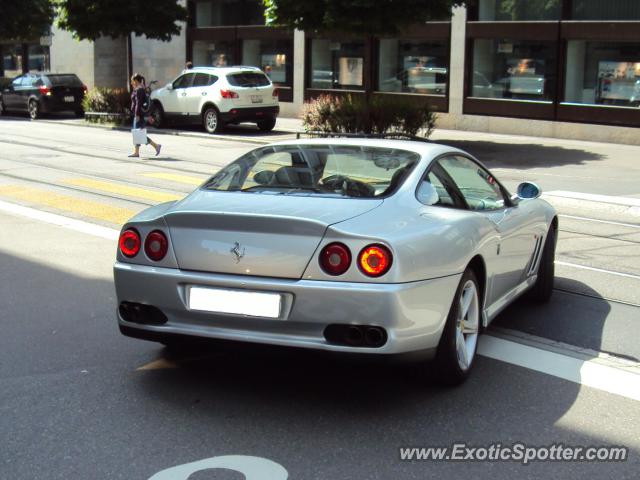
x: 528, y: 191
x: 427, y: 194
x: 169, y: 86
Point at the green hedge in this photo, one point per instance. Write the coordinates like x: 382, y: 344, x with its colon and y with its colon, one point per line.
x: 378, y: 114
x: 106, y: 100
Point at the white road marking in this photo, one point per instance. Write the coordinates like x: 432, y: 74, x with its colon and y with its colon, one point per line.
x: 600, y: 270
x: 252, y: 468
x: 589, y: 373
x: 626, y: 201
x: 584, y: 372
x: 608, y: 222
x: 59, y: 220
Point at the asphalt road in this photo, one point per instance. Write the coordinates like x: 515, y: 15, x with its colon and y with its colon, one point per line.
x: 79, y: 401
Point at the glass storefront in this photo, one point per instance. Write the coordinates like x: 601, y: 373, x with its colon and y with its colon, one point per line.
x: 605, y: 10
x: 337, y: 64
x: 214, y: 53
x: 39, y: 58
x: 519, y: 10
x: 513, y: 69
x: 12, y: 60
x: 219, y: 13
x: 413, y: 66
x: 274, y: 57
x: 603, y: 73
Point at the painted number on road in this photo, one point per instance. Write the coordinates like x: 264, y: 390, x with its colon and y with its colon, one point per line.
x: 253, y: 468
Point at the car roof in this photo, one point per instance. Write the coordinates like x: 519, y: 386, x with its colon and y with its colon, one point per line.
x: 224, y: 70
x: 424, y: 149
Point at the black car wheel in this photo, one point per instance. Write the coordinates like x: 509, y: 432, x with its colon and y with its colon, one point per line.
x: 157, y: 114
x: 267, y: 125
x: 2, y: 109
x: 34, y: 109
x: 211, y: 120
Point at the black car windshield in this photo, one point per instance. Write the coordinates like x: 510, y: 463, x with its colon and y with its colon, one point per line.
x: 248, y: 79
x: 333, y: 170
x: 64, y: 80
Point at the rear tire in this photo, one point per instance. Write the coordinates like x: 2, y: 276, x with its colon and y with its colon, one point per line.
x: 211, y: 120
x: 543, y: 288
x: 267, y: 125
x: 3, y: 110
x: 34, y: 109
x: 458, y: 344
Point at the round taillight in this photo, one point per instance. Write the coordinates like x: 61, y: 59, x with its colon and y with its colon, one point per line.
x: 156, y: 245
x: 129, y: 243
x: 335, y: 258
x: 374, y: 260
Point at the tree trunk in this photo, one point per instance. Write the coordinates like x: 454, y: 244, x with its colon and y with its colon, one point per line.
x: 129, y: 61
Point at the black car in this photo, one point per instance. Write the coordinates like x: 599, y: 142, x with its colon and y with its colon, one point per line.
x: 39, y: 93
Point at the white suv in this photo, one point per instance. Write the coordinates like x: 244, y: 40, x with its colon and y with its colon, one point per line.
x: 215, y: 96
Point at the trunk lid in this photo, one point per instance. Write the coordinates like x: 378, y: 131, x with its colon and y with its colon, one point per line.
x: 255, y: 234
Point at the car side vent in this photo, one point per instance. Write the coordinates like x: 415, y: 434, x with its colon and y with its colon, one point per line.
x: 536, y: 255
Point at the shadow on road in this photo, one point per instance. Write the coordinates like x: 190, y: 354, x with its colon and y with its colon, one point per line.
x: 522, y: 156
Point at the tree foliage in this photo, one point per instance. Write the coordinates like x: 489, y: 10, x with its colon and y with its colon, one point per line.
x: 91, y: 19
x: 25, y: 19
x: 376, y: 17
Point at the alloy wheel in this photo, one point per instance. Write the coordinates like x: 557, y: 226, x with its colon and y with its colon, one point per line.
x: 467, y: 325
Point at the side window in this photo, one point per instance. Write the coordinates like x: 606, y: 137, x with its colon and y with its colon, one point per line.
x: 17, y: 82
x: 212, y: 79
x: 478, y: 187
x: 184, y: 81
x: 443, y: 195
x: 201, y: 80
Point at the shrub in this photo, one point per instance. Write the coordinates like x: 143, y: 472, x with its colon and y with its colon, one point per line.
x: 4, y: 82
x: 106, y: 100
x: 379, y: 114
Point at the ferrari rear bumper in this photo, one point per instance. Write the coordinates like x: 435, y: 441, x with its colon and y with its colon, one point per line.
x: 412, y: 314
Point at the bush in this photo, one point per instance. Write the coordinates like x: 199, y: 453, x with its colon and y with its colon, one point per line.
x: 380, y: 114
x: 107, y: 100
x: 4, y: 82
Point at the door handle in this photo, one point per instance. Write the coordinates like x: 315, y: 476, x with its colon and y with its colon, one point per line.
x: 184, y: 94
x: 204, y: 94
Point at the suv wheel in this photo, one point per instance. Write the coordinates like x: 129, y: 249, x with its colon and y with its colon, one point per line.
x: 34, y: 109
x: 267, y: 125
x: 211, y: 120
x: 157, y: 113
x: 2, y: 109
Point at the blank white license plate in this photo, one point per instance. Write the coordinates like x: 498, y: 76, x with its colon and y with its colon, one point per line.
x: 256, y: 98
x: 237, y: 302
x: 69, y: 99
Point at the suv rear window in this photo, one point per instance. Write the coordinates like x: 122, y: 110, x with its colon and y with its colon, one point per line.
x: 64, y: 80
x: 248, y: 79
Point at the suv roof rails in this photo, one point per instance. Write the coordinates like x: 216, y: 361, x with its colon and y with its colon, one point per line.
x: 380, y: 136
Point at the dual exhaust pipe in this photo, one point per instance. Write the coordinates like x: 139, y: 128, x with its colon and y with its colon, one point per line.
x: 356, y: 335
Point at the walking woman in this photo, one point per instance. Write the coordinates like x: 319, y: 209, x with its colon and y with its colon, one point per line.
x: 138, y: 97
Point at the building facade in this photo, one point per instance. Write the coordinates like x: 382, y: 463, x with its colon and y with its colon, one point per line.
x: 559, y: 68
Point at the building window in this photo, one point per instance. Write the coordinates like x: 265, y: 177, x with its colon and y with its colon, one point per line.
x: 413, y: 66
x: 519, y: 10
x: 513, y: 69
x: 337, y: 65
x: 602, y: 73
x: 605, y: 10
x: 214, y: 53
x: 221, y: 13
x: 39, y: 58
x: 12, y: 60
x: 274, y: 57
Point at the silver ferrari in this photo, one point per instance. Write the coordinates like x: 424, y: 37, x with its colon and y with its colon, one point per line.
x: 380, y: 247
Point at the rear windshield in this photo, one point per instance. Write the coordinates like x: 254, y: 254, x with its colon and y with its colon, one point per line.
x: 327, y: 170
x: 69, y: 80
x: 248, y: 79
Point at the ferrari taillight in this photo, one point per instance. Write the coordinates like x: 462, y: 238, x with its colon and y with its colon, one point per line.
x: 375, y: 260
x: 156, y: 245
x: 335, y: 258
x: 129, y: 243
